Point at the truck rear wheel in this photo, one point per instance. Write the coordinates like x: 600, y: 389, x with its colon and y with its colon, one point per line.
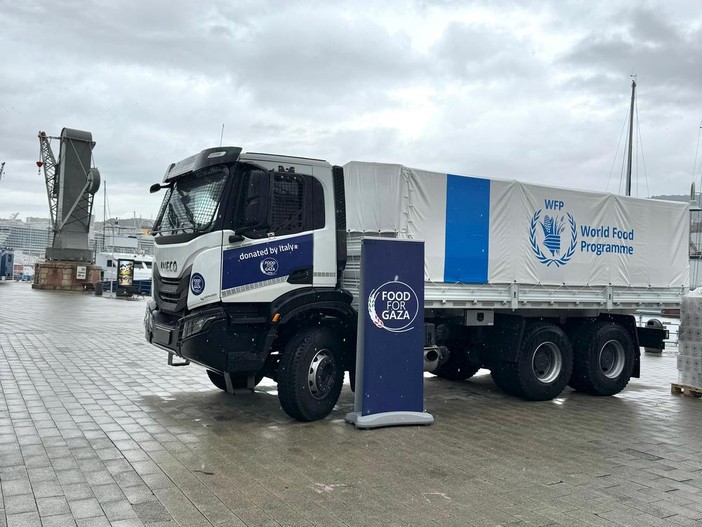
x: 604, y: 359
x: 457, y: 367
x: 502, y: 374
x: 311, y: 374
x: 543, y: 366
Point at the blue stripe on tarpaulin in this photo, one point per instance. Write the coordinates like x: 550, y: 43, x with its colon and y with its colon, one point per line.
x: 467, y: 229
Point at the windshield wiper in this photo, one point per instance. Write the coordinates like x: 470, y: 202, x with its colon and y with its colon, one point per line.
x: 173, y: 219
x: 186, y: 209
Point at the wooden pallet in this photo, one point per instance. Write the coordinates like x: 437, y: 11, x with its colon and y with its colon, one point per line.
x: 689, y: 391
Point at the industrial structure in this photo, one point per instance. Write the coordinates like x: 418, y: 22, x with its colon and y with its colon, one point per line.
x: 71, y: 184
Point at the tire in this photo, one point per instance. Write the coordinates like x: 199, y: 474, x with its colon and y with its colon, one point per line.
x: 457, y: 367
x: 502, y: 374
x: 311, y: 374
x: 238, y: 380
x: 544, y: 365
x: 604, y: 359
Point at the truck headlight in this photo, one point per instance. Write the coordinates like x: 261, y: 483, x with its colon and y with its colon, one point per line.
x: 195, y: 325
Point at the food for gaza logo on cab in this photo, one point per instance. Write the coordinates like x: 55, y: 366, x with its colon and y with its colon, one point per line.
x: 197, y: 284
x: 393, y: 306
x: 269, y: 266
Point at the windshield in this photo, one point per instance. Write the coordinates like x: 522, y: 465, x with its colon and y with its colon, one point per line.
x: 191, y: 203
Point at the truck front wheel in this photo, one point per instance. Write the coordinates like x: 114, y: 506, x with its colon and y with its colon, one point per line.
x: 311, y: 374
x: 604, y: 359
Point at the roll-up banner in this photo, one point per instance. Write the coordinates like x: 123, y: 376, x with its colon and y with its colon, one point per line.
x: 390, y: 354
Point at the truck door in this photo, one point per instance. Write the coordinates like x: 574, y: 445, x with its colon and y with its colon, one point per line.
x: 270, y: 249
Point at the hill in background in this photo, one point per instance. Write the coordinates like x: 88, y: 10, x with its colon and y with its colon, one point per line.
x: 673, y: 197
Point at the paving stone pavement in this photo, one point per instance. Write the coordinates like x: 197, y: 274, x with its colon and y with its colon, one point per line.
x: 96, y: 429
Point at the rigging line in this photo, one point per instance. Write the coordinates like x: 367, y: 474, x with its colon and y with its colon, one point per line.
x: 109, y: 213
x: 635, y: 162
x: 614, y: 160
x: 637, y: 145
x: 639, y: 164
x: 694, y: 165
x: 641, y: 149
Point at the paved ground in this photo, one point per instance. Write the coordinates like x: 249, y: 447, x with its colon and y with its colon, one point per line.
x: 96, y: 429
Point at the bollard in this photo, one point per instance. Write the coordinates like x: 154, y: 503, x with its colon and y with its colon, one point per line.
x: 654, y: 323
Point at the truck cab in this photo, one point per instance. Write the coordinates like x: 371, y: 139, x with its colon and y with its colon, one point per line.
x: 245, y: 244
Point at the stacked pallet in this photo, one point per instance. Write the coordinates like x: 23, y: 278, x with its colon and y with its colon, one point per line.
x: 690, y: 346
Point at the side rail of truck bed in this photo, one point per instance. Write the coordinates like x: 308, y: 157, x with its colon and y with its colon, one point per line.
x: 515, y: 296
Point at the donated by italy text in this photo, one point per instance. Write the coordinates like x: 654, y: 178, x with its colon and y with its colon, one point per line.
x: 269, y: 250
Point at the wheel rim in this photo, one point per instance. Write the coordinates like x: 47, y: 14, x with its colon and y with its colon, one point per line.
x: 612, y: 358
x: 321, y: 375
x: 547, y: 362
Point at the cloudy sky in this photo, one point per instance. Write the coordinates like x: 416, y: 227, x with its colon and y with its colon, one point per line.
x: 534, y: 91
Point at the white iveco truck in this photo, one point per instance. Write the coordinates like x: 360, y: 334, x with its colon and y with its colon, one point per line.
x: 256, y: 273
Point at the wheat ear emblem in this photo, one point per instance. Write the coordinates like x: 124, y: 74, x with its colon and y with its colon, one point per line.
x: 371, y: 309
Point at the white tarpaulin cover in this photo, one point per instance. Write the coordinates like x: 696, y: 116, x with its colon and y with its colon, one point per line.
x: 480, y: 230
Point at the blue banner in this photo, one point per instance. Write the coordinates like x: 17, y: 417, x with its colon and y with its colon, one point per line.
x: 390, y: 357
x: 263, y: 262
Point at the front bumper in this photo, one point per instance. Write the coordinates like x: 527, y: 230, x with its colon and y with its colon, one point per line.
x: 224, y: 340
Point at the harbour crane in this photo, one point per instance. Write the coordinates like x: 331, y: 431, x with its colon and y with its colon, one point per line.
x: 71, y: 184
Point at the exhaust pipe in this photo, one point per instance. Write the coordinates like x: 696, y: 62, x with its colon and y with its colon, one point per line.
x: 434, y: 356
x: 431, y: 358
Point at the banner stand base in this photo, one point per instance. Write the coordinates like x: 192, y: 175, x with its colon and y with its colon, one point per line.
x: 388, y: 419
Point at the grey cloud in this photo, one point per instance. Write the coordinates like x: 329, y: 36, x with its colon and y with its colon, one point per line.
x: 666, y: 54
x: 483, y: 55
x: 154, y: 81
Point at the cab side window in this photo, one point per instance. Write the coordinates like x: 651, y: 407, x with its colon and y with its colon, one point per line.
x: 280, y: 203
x: 287, y: 210
x: 314, y: 204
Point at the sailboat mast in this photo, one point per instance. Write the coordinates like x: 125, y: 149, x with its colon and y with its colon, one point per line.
x: 104, y: 212
x: 631, y: 135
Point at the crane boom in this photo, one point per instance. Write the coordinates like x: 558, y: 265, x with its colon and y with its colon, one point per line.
x: 48, y: 163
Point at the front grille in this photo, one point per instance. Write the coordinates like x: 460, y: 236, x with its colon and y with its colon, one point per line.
x: 171, y: 294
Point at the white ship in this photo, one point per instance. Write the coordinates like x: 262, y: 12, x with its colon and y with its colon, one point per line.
x: 110, y: 261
